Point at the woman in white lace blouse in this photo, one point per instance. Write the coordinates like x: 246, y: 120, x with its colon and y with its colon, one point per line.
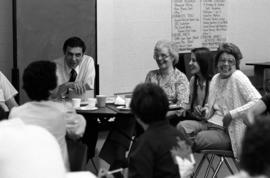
x: 230, y: 92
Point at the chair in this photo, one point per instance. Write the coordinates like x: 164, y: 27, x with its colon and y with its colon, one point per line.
x: 223, y: 155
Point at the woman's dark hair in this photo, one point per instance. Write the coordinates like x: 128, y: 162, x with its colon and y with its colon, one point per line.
x: 149, y: 103
x: 39, y: 78
x: 74, y: 42
x: 232, y: 49
x: 204, y: 59
x: 255, y: 155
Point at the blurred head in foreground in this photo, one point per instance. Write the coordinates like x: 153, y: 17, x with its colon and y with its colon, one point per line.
x: 149, y: 103
x: 28, y: 151
x: 39, y: 79
x: 255, y: 156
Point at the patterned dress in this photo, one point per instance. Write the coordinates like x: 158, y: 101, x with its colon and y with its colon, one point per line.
x: 176, y: 87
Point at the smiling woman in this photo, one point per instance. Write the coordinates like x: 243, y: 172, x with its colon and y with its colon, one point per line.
x: 171, y: 80
x: 230, y: 92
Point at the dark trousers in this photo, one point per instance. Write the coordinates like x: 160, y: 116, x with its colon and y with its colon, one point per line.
x: 90, y: 136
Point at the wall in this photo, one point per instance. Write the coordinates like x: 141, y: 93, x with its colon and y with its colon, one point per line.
x: 128, y: 30
x: 43, y: 26
x: 6, y: 54
x: 249, y: 29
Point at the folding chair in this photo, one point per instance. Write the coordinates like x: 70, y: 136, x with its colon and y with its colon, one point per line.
x: 209, y: 155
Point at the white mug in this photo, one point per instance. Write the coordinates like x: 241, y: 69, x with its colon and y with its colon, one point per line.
x: 91, y: 102
x: 76, y: 102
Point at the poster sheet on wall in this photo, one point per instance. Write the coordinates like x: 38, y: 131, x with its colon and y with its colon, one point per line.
x: 197, y: 23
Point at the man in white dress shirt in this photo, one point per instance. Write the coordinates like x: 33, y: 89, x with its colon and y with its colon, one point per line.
x: 76, y: 74
x: 75, y: 70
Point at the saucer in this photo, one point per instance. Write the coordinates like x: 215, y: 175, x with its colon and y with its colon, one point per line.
x: 87, y: 108
x: 84, y: 103
x: 123, y: 108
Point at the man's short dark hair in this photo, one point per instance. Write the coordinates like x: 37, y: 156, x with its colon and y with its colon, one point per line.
x: 149, y: 103
x: 74, y: 42
x: 39, y: 78
x: 255, y: 156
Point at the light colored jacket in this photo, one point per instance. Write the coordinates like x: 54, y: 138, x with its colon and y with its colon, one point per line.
x: 239, y: 94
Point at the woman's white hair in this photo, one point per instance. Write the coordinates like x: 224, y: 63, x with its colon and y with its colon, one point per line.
x: 171, y: 46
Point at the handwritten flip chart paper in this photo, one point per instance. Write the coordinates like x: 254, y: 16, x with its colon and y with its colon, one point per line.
x: 197, y: 23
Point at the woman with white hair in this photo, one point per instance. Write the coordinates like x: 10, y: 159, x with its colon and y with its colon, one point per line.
x: 170, y: 79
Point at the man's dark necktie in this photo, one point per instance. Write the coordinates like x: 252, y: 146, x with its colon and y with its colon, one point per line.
x: 73, y: 75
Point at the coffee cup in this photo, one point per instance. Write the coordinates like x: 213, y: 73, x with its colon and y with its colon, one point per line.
x: 76, y: 102
x: 101, y: 101
x: 91, y: 102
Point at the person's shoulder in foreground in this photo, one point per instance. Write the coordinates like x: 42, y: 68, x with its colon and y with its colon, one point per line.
x: 32, y: 152
x: 255, y: 159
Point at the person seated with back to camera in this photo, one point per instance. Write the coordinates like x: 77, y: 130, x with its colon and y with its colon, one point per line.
x: 200, y: 68
x: 168, y: 77
x: 230, y: 93
x: 255, y: 158
x: 39, y: 79
x: 150, y: 155
x: 7, y: 93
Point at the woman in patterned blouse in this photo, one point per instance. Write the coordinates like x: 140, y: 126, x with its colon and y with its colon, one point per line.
x: 171, y: 80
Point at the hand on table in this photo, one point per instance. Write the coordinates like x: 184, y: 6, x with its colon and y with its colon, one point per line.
x: 79, y: 87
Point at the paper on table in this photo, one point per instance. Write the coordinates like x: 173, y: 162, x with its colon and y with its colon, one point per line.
x: 87, y: 108
x: 119, y: 101
x: 123, y: 108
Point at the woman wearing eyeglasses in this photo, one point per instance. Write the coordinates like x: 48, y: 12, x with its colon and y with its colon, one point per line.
x: 230, y: 92
x: 170, y: 79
